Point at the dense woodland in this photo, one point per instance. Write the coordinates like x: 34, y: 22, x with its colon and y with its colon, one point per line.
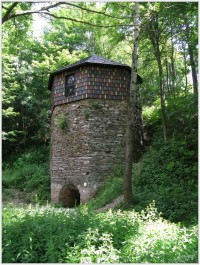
x: 165, y: 153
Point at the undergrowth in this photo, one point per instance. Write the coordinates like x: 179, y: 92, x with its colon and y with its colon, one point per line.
x: 28, y: 172
x: 168, y: 173
x: 112, y: 188
x: 49, y: 235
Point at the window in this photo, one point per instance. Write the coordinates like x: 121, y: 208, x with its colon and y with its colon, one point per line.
x: 69, y: 85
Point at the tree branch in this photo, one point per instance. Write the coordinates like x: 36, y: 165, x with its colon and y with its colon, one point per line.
x: 84, y: 22
x: 8, y: 13
x: 51, y: 6
x: 94, y: 11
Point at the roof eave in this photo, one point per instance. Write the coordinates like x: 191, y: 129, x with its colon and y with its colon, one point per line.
x: 84, y: 63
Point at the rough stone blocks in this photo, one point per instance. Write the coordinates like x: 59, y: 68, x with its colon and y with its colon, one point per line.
x: 85, y: 152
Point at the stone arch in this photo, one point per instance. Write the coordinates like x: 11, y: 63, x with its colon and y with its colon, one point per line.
x: 69, y: 196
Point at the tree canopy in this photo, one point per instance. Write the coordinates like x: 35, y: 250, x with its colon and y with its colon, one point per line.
x: 167, y: 56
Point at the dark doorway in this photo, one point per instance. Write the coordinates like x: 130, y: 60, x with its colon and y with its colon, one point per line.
x: 69, y: 196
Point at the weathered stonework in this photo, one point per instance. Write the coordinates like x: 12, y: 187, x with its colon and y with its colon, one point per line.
x: 84, y: 153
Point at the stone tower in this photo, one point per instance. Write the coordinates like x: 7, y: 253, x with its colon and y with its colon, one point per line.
x: 89, y: 112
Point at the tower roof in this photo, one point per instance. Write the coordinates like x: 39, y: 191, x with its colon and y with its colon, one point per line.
x: 93, y: 59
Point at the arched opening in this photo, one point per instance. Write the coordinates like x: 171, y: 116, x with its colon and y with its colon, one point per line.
x: 69, y: 196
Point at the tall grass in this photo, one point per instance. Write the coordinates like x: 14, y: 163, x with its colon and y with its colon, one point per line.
x: 49, y: 235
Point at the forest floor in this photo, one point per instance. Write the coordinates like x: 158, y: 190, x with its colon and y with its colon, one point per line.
x: 112, y: 205
x: 17, y: 198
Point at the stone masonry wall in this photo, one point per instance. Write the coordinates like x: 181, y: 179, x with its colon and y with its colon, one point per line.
x: 85, y: 152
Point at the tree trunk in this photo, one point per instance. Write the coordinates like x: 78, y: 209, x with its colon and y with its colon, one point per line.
x: 192, y: 62
x: 139, y: 131
x: 162, y: 97
x: 154, y: 32
x: 128, y: 196
x: 194, y: 73
x: 173, y: 72
x: 185, y: 67
x: 167, y: 78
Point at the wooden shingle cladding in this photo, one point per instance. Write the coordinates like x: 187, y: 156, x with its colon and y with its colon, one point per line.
x: 91, y: 81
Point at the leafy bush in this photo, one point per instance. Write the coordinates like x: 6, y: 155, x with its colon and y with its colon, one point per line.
x: 169, y: 180
x: 50, y: 235
x: 86, y: 113
x: 62, y: 121
x: 112, y: 188
x: 35, y: 155
x: 30, y: 173
x: 152, y: 115
x: 161, y: 242
x: 168, y: 173
x: 183, y: 117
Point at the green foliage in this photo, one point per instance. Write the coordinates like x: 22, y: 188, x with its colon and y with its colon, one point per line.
x: 161, y: 243
x: 52, y: 235
x: 29, y: 172
x: 96, y: 105
x: 168, y: 173
x: 86, y: 113
x: 152, y: 115
x: 25, y: 104
x: 62, y: 121
x: 183, y: 118
x: 112, y: 188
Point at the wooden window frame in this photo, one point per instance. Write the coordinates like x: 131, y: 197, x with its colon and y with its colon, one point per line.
x: 69, y: 88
